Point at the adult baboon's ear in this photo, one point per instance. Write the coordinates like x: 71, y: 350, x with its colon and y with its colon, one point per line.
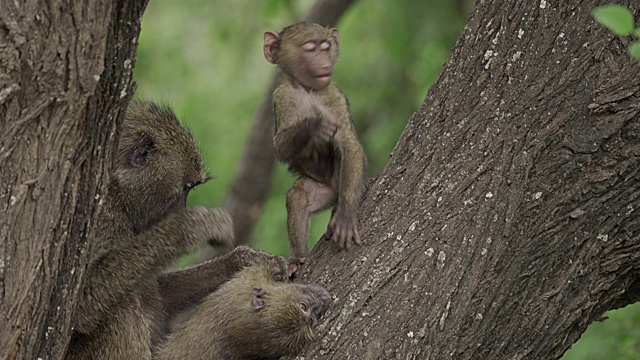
x: 141, y: 150
x: 257, y: 298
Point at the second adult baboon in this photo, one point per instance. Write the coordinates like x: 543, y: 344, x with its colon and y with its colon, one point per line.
x: 126, y: 302
x: 315, y: 135
x: 252, y: 316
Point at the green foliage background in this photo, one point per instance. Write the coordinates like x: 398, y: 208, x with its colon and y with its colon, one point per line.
x: 204, y: 58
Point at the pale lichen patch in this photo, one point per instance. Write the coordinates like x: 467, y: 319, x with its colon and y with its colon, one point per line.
x: 429, y: 252
x: 516, y: 56
x: 441, y: 259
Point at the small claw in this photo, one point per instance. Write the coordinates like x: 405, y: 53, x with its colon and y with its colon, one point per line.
x: 356, y: 237
x: 328, y: 234
x: 295, y: 264
x: 291, y: 270
x: 352, y: 238
x: 343, y: 241
x: 348, y: 242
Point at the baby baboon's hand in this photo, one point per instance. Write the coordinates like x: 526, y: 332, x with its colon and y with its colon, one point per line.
x: 343, y: 231
x: 295, y: 265
x: 327, y: 129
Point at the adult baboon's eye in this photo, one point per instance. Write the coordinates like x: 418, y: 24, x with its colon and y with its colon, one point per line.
x: 308, y: 46
x: 188, y: 186
x: 325, y: 45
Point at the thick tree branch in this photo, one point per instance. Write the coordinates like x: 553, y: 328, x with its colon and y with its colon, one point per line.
x: 328, y: 12
x: 505, y: 221
x: 66, y: 79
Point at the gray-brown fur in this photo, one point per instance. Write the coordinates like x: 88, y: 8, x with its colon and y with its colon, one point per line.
x: 127, y: 301
x: 253, y: 316
x: 315, y: 135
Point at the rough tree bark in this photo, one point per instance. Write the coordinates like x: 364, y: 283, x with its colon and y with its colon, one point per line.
x: 505, y: 221
x: 65, y: 80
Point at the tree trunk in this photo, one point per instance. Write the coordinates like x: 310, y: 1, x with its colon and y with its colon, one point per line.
x: 505, y: 221
x: 65, y: 83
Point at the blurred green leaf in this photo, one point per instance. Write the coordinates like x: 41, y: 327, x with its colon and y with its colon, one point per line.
x: 615, y: 17
x: 634, y: 50
x: 620, y: 21
x: 618, y: 337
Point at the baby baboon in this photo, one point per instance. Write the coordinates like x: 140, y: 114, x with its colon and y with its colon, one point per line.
x: 126, y: 302
x: 253, y: 316
x: 315, y: 135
